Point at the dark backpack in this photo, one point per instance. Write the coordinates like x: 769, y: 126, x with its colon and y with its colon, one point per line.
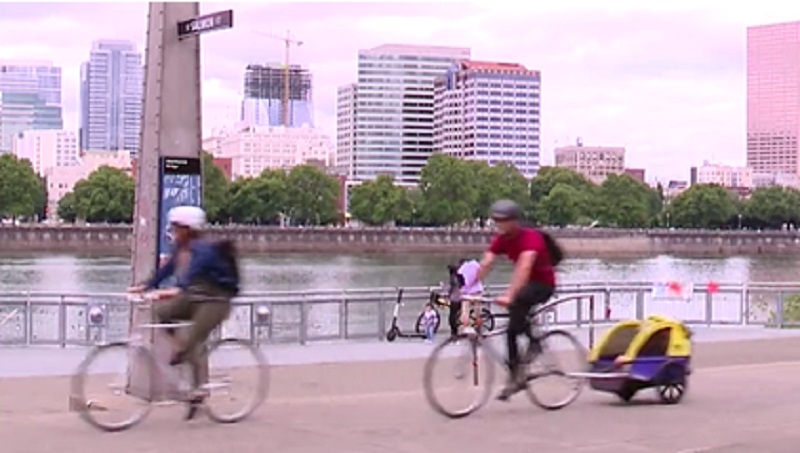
x: 555, y: 250
x: 227, y: 252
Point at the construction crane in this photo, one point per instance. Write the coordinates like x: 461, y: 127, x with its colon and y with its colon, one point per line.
x: 288, y: 42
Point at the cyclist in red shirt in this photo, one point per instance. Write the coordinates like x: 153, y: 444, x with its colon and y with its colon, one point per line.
x: 533, y: 281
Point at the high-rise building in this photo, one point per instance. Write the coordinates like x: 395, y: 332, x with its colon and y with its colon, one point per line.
x: 47, y: 149
x: 112, y: 87
x: 773, y: 98
x: 264, y: 88
x: 489, y: 112
x: 593, y: 162
x: 30, y: 98
x: 345, y: 128
x: 385, y: 121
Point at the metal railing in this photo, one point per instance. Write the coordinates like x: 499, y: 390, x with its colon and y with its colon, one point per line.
x: 39, y: 318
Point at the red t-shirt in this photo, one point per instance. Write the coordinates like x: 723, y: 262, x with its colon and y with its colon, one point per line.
x: 527, y: 239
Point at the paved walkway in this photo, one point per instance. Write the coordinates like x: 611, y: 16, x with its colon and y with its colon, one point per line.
x: 744, y: 397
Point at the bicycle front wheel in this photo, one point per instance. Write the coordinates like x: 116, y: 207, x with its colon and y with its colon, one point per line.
x: 110, y: 389
x: 458, y: 376
x: 552, y: 381
x: 238, y: 380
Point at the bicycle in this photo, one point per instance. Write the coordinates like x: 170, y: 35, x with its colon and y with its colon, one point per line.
x: 478, y: 344
x: 177, y: 379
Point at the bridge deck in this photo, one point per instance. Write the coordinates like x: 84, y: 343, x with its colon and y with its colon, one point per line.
x: 744, y: 397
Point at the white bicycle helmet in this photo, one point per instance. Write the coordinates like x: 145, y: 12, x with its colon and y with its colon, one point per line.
x: 189, y: 216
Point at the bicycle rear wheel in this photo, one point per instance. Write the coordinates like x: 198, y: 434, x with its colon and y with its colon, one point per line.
x: 469, y: 361
x: 234, y: 360
x: 552, y: 384
x: 101, y: 386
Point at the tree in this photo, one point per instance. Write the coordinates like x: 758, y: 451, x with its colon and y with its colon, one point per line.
x: 312, y: 196
x: 702, y: 206
x: 449, y: 190
x: 259, y: 200
x: 563, y: 205
x: 379, y: 202
x: 107, y: 195
x: 772, y: 207
x: 625, y: 202
x: 550, y: 177
x: 22, y: 193
x: 66, y: 208
x: 215, y: 190
x: 502, y: 181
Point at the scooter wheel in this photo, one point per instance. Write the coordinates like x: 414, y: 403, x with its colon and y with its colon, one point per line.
x: 391, y: 335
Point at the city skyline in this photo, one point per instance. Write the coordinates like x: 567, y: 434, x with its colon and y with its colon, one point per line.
x: 625, y: 76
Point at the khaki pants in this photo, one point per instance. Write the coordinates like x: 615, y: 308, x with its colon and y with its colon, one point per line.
x: 206, y: 312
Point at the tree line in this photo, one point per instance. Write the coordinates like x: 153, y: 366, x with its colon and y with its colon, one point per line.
x: 451, y: 192
x: 306, y: 195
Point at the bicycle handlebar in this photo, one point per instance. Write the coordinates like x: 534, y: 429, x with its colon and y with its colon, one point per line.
x: 481, y: 299
x: 141, y: 298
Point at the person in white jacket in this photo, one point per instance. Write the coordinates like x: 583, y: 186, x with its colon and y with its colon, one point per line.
x: 468, y: 269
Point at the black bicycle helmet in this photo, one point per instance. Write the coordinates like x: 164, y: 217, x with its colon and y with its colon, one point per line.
x: 505, y: 210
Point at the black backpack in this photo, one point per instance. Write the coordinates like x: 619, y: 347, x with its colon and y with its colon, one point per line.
x: 555, y: 250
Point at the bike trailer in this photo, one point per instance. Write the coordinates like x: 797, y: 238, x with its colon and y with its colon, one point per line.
x: 634, y: 355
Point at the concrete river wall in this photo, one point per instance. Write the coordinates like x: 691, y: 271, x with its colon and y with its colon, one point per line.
x: 116, y: 239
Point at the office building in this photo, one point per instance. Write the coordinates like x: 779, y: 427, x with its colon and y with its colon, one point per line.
x: 30, y: 98
x: 20, y: 112
x: 112, y: 87
x: 637, y: 174
x: 489, y: 112
x: 385, y: 121
x: 253, y: 149
x: 773, y: 109
x: 47, y: 149
x: 264, y: 88
x: 593, y: 162
x: 723, y: 175
x: 61, y: 181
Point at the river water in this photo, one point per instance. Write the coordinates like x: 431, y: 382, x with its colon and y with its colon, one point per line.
x: 71, y: 273
x: 302, y: 272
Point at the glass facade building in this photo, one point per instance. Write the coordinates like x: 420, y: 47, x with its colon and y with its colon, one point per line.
x: 773, y: 99
x: 30, y: 98
x: 489, y: 112
x: 112, y: 87
x: 264, y: 87
x: 385, y: 120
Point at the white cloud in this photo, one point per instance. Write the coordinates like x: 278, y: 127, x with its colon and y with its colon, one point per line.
x: 666, y: 79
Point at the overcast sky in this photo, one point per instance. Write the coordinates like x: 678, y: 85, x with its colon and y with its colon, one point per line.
x: 664, y: 79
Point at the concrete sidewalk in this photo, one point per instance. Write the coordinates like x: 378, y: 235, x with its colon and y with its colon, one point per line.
x: 744, y: 397
x: 54, y: 361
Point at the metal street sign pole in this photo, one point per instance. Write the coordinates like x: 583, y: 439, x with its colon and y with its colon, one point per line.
x: 168, y: 168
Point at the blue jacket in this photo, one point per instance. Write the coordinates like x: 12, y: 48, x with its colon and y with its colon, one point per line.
x: 206, y: 264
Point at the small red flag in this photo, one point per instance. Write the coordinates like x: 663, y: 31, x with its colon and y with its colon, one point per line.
x: 675, y: 287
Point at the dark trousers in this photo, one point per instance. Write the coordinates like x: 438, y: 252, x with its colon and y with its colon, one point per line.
x: 531, y: 295
x: 207, y: 310
x: 453, y: 317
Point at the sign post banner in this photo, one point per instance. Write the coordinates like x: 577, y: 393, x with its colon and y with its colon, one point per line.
x: 181, y: 185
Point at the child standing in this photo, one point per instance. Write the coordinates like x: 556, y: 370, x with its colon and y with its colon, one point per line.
x: 430, y: 323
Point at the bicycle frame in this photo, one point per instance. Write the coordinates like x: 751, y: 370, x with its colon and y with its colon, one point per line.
x: 541, y: 310
x: 171, y: 375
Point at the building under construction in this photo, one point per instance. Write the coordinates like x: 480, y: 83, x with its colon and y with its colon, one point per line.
x: 264, y: 94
